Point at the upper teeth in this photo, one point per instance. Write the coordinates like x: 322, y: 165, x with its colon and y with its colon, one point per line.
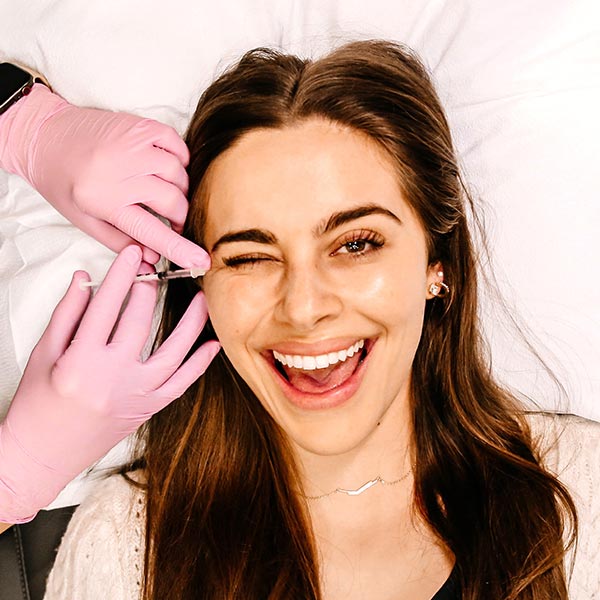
x: 310, y: 363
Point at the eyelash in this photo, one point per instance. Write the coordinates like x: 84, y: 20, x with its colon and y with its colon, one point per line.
x: 363, y: 236
x: 246, y: 260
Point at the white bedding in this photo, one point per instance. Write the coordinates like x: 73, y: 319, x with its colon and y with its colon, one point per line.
x: 521, y: 83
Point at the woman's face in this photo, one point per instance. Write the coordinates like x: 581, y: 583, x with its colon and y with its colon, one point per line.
x: 319, y: 279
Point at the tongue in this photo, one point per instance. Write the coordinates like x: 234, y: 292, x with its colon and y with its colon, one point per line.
x: 322, y: 380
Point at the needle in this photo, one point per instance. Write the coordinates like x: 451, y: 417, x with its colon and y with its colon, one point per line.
x: 161, y: 276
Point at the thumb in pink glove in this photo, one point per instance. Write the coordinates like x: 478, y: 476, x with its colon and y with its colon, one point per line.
x: 100, y: 169
x: 81, y: 393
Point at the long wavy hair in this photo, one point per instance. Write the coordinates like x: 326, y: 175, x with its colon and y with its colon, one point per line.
x: 225, y: 519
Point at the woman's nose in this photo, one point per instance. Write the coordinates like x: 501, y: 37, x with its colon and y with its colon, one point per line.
x: 308, y: 297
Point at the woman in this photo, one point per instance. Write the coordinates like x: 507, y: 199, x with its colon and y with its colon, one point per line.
x: 350, y: 442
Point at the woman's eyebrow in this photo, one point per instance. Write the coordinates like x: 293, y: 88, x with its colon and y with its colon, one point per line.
x: 337, y: 219
x: 340, y: 218
x: 259, y: 236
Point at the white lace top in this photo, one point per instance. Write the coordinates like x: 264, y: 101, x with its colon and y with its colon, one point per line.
x: 102, y: 552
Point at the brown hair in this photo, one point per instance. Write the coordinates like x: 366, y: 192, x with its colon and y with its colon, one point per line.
x: 225, y: 519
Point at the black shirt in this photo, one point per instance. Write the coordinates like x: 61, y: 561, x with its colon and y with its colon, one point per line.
x: 450, y: 590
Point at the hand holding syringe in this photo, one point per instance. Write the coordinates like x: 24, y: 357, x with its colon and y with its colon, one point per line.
x: 161, y: 276
x: 86, y: 386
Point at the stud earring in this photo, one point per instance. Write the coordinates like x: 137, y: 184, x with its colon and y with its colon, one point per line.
x: 439, y: 289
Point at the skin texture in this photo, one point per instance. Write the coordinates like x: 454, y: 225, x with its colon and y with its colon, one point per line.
x: 311, y: 292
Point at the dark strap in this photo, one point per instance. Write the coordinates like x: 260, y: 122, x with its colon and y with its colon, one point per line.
x: 27, y: 553
x: 451, y: 588
x: 13, y: 581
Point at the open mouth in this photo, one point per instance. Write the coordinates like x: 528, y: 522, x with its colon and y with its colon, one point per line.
x: 323, y: 373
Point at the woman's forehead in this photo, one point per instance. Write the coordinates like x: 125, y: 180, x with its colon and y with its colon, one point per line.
x: 312, y: 168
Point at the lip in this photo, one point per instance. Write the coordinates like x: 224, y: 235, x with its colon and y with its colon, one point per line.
x: 331, y: 398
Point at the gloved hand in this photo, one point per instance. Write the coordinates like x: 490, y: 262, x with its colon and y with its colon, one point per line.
x: 98, y: 168
x: 81, y: 393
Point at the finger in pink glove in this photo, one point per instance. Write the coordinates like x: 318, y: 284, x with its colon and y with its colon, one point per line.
x: 83, y: 391
x: 100, y: 169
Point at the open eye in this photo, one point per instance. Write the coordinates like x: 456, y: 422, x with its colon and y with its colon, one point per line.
x: 359, y: 243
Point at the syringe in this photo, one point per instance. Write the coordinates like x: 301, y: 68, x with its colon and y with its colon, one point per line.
x: 161, y: 276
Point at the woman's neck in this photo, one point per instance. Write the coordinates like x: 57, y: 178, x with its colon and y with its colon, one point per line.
x: 385, y: 454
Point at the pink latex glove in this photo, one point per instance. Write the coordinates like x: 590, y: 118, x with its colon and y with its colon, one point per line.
x: 100, y: 168
x: 81, y: 393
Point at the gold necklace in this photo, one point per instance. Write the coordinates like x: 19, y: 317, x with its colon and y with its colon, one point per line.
x: 363, y: 488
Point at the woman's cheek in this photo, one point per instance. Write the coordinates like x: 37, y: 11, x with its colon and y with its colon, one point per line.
x: 367, y: 285
x: 374, y: 286
x: 392, y: 290
x: 234, y: 302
